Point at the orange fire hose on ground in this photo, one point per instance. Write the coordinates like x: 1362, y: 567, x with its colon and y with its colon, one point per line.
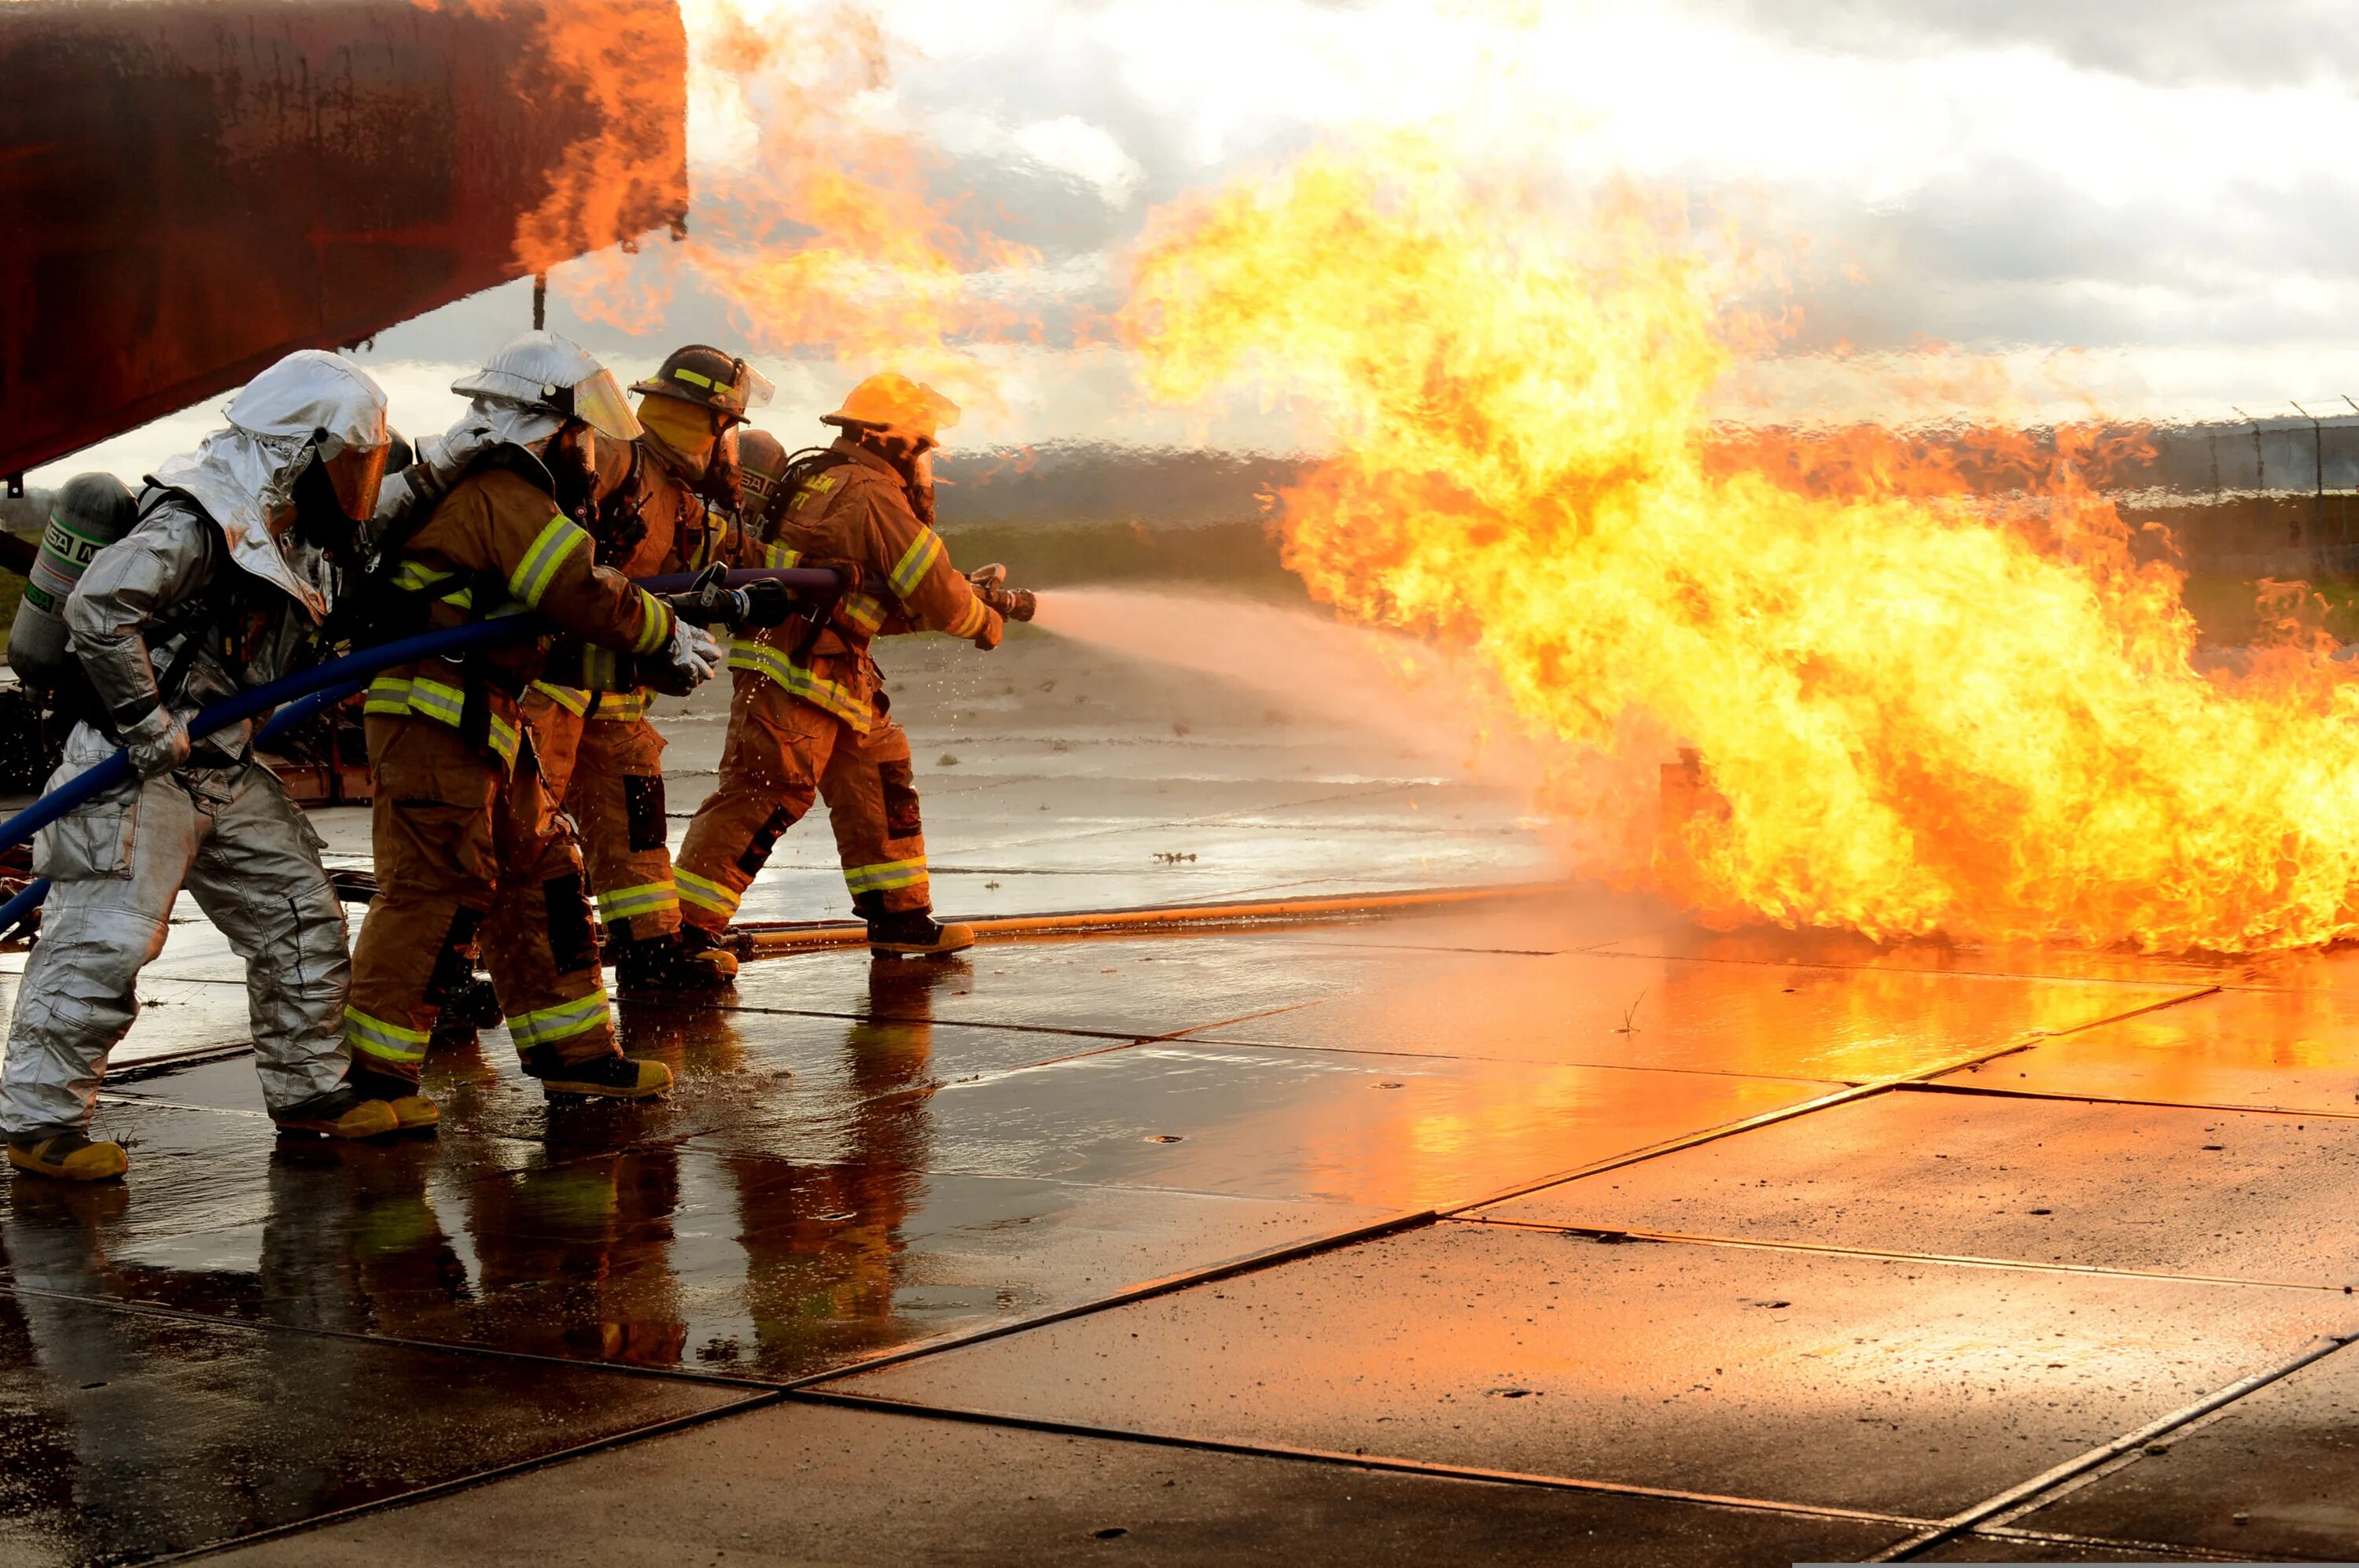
x: 776, y: 939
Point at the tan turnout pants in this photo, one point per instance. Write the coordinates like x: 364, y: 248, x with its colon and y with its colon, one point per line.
x: 609, y: 773
x: 469, y: 851
x: 782, y: 753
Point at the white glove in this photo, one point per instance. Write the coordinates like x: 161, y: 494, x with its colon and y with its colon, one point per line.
x: 157, y: 743
x: 693, y: 653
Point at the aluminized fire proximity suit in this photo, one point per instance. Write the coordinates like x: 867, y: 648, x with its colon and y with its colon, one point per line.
x: 208, y: 596
x: 807, y: 713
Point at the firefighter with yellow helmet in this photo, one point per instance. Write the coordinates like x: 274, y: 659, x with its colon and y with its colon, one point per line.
x: 808, y: 713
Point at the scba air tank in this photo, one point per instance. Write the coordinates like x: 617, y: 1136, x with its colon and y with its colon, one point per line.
x: 90, y: 512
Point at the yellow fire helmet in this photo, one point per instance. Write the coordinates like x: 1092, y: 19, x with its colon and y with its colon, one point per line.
x: 894, y: 404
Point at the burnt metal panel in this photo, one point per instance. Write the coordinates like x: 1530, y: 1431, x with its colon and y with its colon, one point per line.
x: 194, y: 188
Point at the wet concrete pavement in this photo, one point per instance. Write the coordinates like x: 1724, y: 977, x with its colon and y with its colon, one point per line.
x: 1531, y: 1231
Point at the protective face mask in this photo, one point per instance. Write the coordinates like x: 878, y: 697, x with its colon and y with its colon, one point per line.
x: 682, y: 427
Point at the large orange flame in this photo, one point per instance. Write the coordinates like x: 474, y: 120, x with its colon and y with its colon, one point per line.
x: 1924, y: 711
x: 824, y: 235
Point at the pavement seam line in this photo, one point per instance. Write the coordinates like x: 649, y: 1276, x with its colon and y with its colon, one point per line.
x: 1610, y: 1234
x: 1169, y: 1284
x: 2059, y: 1538
x: 2026, y: 1041
x: 457, y: 1483
x: 1387, y: 1464
x: 1998, y: 1092
x: 2048, y: 1480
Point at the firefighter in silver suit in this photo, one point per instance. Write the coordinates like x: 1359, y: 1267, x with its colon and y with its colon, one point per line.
x: 220, y: 587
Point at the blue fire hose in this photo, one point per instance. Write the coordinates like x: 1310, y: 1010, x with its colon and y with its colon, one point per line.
x: 302, y: 696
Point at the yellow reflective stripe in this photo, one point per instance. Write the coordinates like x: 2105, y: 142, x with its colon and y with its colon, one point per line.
x: 562, y: 1021
x: 602, y: 668
x: 576, y: 702
x: 883, y: 878
x: 374, y: 1037
x: 655, y: 631
x: 705, y: 894
x: 400, y: 696
x: 531, y: 578
x: 412, y: 574
x: 504, y: 739
x: 915, y: 562
x: 623, y: 707
x: 779, y: 555
x: 622, y: 903
x: 819, y: 692
x: 692, y: 378
x: 971, y: 620
x: 862, y: 611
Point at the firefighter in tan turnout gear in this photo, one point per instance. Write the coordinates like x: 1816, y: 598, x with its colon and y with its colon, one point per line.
x: 469, y: 842
x: 220, y: 587
x: 807, y: 713
x: 598, y: 753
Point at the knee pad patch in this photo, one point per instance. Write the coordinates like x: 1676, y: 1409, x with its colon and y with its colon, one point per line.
x: 571, y: 945
x: 900, y: 800
x: 643, y: 810
x: 765, y: 837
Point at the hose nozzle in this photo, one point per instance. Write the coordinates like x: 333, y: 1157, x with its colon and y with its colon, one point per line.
x: 991, y: 587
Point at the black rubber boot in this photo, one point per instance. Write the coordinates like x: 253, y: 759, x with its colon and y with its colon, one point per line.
x: 66, y: 1154
x: 342, y: 1112
x: 914, y: 933
x: 605, y: 1077
x: 468, y: 1004
x: 690, y: 962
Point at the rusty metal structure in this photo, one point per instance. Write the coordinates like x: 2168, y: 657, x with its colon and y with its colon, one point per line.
x: 196, y: 187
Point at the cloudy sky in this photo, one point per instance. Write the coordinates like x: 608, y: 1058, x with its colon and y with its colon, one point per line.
x: 2152, y: 207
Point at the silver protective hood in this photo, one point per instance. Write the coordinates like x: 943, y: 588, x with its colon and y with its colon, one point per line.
x: 488, y: 422
x: 243, y: 474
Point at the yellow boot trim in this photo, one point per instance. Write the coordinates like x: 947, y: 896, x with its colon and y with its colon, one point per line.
x: 90, y: 1162
x: 412, y: 1112
x: 654, y: 1079
x: 370, y: 1118
x: 954, y: 938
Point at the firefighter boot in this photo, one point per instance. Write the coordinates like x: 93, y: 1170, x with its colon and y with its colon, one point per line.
x: 67, y: 1154
x: 688, y: 962
x: 342, y: 1112
x: 468, y: 1004
x: 411, y: 1108
x: 615, y: 1077
x: 912, y: 931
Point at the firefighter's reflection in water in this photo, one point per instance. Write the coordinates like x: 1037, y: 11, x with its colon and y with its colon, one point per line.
x: 823, y: 1237
x: 161, y: 1432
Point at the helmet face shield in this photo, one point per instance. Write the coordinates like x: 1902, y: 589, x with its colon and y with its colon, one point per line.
x: 754, y: 389
x: 356, y: 474
x: 598, y: 403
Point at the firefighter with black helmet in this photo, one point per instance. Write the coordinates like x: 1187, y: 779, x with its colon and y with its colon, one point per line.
x: 668, y: 505
x: 808, y: 713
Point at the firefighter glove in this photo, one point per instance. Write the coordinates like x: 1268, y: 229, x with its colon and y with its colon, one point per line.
x: 695, y: 655
x: 988, y: 637
x: 157, y: 743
